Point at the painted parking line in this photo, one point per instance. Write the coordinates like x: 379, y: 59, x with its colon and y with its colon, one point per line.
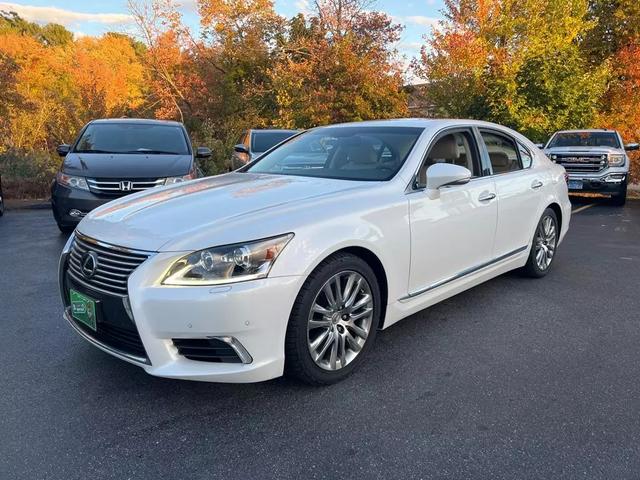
x: 580, y: 209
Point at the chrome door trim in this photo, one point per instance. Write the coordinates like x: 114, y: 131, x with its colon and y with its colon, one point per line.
x: 463, y: 273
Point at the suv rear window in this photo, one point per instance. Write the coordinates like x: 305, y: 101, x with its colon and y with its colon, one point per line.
x: 263, y: 141
x: 132, y: 138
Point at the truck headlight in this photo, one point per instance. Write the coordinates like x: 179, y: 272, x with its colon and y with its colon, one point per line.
x: 228, y: 263
x: 617, y: 160
x: 71, y: 181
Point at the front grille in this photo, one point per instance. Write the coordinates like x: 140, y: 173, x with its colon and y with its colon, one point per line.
x: 114, y: 265
x: 581, y: 163
x: 119, y: 187
x: 206, y: 350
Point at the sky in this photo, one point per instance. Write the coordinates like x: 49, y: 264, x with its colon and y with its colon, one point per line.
x: 95, y: 18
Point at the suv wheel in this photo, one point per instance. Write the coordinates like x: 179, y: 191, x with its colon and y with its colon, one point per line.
x: 333, y: 321
x: 543, y: 247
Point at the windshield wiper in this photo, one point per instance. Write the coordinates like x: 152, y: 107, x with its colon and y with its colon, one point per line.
x: 92, y: 151
x: 153, y: 152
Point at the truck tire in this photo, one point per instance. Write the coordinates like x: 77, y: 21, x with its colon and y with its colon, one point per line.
x: 619, y: 199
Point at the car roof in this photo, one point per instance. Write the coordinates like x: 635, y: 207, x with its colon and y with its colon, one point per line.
x: 144, y: 121
x: 419, y: 123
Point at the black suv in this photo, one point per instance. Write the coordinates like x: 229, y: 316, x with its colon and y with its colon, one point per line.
x: 116, y: 157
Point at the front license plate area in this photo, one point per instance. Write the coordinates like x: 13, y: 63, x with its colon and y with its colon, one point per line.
x: 575, y: 184
x: 83, y: 308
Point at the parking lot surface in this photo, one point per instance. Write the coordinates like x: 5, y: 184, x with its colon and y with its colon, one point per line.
x: 516, y: 378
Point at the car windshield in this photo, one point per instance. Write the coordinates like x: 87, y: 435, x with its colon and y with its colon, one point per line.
x: 142, y: 138
x: 263, y: 141
x: 348, y: 153
x: 584, y: 139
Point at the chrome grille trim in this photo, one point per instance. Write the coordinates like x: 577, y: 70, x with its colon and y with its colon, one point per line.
x: 115, y: 265
x: 114, y: 186
x: 581, y: 163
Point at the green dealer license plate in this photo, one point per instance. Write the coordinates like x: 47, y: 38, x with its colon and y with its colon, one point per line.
x: 83, y: 308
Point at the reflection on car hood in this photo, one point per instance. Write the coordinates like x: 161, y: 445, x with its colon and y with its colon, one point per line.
x: 126, y: 165
x: 178, y: 217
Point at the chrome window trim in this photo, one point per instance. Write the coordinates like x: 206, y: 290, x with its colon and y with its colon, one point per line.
x: 513, y: 139
x: 462, y: 274
x: 410, y: 188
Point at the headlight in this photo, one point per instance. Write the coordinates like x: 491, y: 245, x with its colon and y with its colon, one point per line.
x: 189, y: 176
x: 228, y: 263
x: 71, y: 181
x: 616, y: 160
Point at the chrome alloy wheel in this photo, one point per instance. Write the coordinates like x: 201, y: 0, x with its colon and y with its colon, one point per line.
x: 545, y: 242
x: 340, y: 320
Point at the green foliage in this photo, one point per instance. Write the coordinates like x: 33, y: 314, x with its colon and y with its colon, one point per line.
x: 51, y: 34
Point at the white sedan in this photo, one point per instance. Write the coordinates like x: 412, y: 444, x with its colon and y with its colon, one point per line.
x: 292, y: 263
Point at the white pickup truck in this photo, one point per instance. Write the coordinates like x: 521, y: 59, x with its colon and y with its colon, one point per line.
x: 595, y: 160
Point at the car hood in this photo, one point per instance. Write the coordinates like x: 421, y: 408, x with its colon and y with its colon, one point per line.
x: 108, y: 165
x: 583, y: 150
x: 206, y: 212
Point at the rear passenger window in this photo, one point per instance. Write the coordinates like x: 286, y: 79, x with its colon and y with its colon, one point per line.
x: 525, y: 156
x: 503, y: 152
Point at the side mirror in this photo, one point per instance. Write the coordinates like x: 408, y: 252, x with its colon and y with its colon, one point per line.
x: 241, y: 148
x: 63, y: 149
x: 539, y: 145
x: 629, y: 147
x: 203, y: 152
x: 445, y: 174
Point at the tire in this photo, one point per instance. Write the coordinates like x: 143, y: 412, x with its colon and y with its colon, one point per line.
x: 1, y: 206
x: 619, y: 199
x: 66, y: 228
x: 538, y: 267
x: 325, y: 327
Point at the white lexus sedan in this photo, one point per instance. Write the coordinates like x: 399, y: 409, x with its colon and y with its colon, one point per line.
x: 292, y: 263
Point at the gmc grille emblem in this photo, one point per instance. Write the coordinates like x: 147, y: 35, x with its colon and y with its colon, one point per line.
x: 125, y: 186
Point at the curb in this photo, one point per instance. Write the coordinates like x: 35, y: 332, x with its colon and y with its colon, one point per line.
x: 27, y: 204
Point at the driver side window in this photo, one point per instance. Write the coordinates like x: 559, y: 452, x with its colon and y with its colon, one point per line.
x: 457, y: 148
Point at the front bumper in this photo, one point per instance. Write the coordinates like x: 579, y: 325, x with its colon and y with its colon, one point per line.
x: 254, y: 314
x: 64, y: 200
x: 608, y: 183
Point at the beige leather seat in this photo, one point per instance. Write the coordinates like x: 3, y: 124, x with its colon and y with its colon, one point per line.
x: 444, y: 151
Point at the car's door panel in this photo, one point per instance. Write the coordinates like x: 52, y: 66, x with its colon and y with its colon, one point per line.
x: 451, y: 234
x: 454, y: 232
x: 518, y: 194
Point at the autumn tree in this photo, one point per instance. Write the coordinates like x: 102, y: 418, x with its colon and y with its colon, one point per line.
x: 514, y: 62
x: 338, y: 65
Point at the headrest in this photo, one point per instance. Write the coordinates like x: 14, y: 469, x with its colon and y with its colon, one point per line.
x: 499, y: 159
x: 362, y: 153
x: 446, y: 148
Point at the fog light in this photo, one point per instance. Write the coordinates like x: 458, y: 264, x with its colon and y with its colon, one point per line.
x: 614, y: 178
x: 76, y: 213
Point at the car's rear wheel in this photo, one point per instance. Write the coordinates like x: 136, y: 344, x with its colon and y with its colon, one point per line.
x: 543, y: 248
x: 333, y: 321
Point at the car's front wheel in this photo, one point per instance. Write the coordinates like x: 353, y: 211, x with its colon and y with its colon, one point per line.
x: 543, y: 248
x: 620, y: 198
x: 333, y: 321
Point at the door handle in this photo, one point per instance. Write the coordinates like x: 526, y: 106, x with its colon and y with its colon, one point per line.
x: 536, y: 184
x: 486, y: 197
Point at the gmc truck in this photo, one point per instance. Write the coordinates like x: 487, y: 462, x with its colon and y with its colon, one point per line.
x: 595, y: 161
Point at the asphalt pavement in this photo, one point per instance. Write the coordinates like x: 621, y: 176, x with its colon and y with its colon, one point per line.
x: 516, y: 378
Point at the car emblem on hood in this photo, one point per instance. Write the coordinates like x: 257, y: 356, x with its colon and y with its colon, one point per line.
x: 89, y: 264
x: 126, y: 186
